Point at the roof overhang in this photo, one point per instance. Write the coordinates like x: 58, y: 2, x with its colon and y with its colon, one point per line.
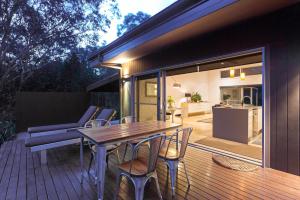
x: 182, y: 21
x: 105, y: 85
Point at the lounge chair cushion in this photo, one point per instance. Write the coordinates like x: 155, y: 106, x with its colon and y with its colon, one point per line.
x: 106, y: 114
x: 47, y: 139
x: 37, y: 129
x: 87, y: 115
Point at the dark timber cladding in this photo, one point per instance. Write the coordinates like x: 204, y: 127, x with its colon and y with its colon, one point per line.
x: 279, y: 34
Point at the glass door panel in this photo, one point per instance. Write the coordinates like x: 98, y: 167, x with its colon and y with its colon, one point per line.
x: 147, y: 97
x: 126, y: 97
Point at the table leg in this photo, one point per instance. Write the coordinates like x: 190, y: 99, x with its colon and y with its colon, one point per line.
x: 81, y: 159
x: 101, y: 165
x: 177, y: 140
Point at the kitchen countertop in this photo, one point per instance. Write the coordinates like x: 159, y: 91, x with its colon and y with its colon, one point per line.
x: 239, y: 107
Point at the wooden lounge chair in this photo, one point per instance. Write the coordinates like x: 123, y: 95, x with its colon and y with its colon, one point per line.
x: 172, y: 156
x: 62, y: 128
x: 45, y: 142
x: 59, y: 138
x: 141, y: 169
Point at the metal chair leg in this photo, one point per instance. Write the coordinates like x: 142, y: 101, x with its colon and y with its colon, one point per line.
x: 118, y: 156
x: 118, y: 182
x: 173, y: 165
x: 139, y: 187
x: 125, y: 151
x: 91, y: 160
x: 157, y: 185
x: 187, y: 177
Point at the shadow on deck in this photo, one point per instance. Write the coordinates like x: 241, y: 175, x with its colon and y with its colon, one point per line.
x: 23, y: 177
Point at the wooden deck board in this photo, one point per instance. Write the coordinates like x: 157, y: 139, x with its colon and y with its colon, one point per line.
x: 23, y: 177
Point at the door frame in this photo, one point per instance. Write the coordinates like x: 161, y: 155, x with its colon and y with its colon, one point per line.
x: 133, y: 80
x: 265, y: 91
x: 161, y: 71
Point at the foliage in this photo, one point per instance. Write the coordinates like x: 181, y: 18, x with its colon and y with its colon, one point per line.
x: 226, y: 97
x: 196, y: 97
x: 72, y: 75
x: 170, y: 101
x: 7, y: 130
x: 34, y: 33
x: 131, y: 21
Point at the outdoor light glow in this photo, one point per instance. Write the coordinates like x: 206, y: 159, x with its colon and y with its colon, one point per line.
x: 243, y: 75
x: 122, y: 60
x: 231, y: 72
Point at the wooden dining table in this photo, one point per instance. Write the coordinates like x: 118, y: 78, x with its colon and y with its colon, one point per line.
x: 103, y: 136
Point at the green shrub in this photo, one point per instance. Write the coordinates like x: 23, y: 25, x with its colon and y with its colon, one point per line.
x: 196, y: 97
x: 7, y: 130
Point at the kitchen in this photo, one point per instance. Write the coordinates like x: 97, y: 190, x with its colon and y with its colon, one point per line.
x: 223, y: 105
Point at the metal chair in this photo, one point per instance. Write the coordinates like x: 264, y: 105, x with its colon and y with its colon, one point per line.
x: 111, y: 149
x: 132, y: 143
x: 173, y: 156
x: 141, y: 169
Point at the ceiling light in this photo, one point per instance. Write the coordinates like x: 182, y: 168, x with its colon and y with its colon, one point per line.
x: 231, y: 72
x: 242, y: 75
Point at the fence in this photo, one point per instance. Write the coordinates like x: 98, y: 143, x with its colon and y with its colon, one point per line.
x: 40, y: 108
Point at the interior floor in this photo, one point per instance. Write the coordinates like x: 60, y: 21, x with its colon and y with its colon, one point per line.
x: 202, y: 135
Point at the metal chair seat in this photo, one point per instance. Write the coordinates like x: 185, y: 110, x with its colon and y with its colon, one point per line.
x: 139, y: 170
x: 109, y: 148
x: 139, y: 167
x: 170, y: 154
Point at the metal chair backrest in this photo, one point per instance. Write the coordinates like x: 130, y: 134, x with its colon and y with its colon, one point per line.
x: 154, y: 144
x: 127, y: 119
x: 102, y: 119
x: 185, y: 135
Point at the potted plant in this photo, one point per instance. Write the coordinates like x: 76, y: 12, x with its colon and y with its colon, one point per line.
x: 196, y: 97
x: 170, y: 101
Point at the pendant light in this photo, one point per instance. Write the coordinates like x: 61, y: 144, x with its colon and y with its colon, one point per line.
x: 176, y: 84
x: 231, y: 72
x: 242, y: 75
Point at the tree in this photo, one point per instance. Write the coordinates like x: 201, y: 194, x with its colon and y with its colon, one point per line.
x: 34, y: 33
x: 131, y: 21
x: 69, y: 76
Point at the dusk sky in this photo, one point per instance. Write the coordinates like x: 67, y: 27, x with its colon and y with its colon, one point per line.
x: 133, y: 6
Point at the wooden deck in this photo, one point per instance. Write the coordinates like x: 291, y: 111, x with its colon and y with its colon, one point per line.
x: 23, y: 177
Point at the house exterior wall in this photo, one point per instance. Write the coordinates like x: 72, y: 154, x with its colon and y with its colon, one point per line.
x: 279, y: 34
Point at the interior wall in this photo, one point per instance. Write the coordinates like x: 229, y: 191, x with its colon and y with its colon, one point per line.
x: 206, y: 83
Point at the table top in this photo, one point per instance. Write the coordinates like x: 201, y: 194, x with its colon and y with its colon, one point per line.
x: 125, y: 132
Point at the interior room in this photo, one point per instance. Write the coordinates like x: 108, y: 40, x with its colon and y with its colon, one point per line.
x: 222, y: 104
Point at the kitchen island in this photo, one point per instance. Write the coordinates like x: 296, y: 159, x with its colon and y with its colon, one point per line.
x: 238, y: 123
